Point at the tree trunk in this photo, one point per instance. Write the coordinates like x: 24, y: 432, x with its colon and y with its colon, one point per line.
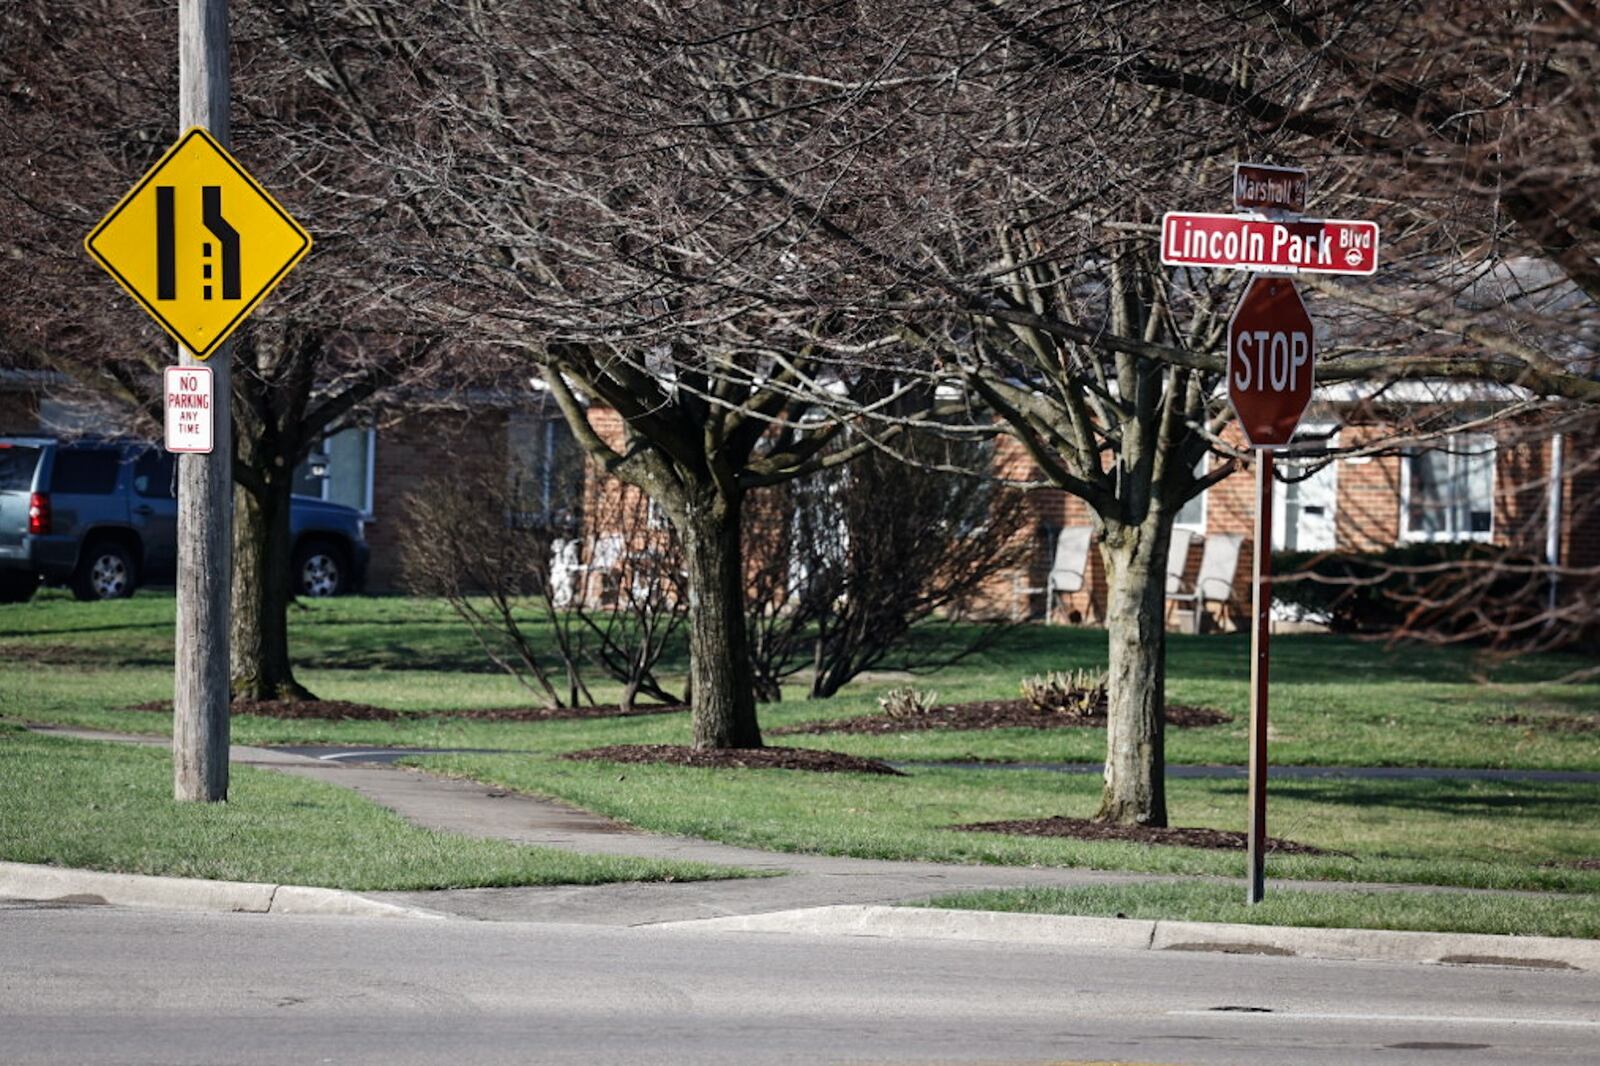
x: 720, y: 677
x: 1135, y: 775
x: 261, y: 583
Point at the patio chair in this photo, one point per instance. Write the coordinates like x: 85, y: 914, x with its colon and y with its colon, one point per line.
x: 605, y: 556
x: 1219, y: 563
x: 1068, y: 569
x: 565, y: 568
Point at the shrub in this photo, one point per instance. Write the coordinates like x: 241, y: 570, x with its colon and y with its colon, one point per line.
x: 907, y: 702
x: 1424, y: 589
x: 472, y: 544
x: 876, y: 564
x: 1081, y: 693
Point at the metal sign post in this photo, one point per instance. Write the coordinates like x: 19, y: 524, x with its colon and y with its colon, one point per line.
x: 1269, y: 372
x: 1260, y: 640
x: 1270, y: 365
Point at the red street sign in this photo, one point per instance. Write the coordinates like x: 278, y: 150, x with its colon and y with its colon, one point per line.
x: 1257, y: 187
x: 1270, y: 359
x: 1321, y: 246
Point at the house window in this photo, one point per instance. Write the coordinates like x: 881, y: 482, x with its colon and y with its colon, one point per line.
x: 341, y: 470
x: 545, y: 472
x: 1192, y: 515
x: 1447, y: 493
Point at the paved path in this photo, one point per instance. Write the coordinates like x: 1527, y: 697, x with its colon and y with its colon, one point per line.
x: 475, y: 810
x: 1377, y: 773
x: 335, y: 753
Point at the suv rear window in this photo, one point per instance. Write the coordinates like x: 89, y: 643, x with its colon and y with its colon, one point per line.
x: 16, y: 467
x: 86, y: 472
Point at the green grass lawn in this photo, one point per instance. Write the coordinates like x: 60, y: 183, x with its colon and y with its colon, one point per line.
x: 109, y: 807
x: 1335, y: 701
x: 1443, y: 912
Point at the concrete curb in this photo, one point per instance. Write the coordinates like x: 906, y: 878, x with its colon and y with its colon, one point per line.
x: 1367, y: 945
x: 55, y: 884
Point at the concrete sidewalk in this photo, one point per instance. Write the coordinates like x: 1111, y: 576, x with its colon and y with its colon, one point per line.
x: 812, y: 893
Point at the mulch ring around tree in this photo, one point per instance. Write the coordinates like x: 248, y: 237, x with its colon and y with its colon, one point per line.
x: 993, y: 714
x: 324, y: 710
x: 825, y: 762
x: 1574, y: 864
x: 553, y: 714
x: 344, y: 711
x: 1550, y: 723
x: 1084, y: 829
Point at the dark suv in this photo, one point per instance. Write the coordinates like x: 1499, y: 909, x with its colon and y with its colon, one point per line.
x: 102, y: 518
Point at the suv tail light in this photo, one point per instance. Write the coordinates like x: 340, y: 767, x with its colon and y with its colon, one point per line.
x: 38, y: 514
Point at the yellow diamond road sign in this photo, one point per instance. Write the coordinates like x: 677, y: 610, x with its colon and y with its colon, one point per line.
x: 198, y: 242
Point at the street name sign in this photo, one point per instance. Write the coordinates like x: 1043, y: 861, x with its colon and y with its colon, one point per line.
x: 188, y: 398
x: 1235, y: 242
x: 1271, y: 356
x: 198, y: 242
x: 1258, y: 187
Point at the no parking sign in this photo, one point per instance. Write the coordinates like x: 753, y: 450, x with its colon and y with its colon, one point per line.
x: 189, y: 411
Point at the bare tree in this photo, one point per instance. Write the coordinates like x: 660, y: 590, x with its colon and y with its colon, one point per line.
x: 467, y: 546
x: 630, y: 592
x: 570, y: 243
x: 546, y: 602
x: 89, y: 104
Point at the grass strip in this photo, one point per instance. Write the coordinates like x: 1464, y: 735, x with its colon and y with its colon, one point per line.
x: 1439, y: 912
x: 100, y: 806
x: 1466, y: 834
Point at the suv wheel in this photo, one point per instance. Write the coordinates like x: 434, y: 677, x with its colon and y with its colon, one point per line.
x: 320, y: 570
x: 105, y: 572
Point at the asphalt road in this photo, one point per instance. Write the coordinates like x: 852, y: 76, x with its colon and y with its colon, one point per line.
x: 89, y: 985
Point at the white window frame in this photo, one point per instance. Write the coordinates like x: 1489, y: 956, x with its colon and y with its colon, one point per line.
x: 1460, y: 447
x: 1202, y: 468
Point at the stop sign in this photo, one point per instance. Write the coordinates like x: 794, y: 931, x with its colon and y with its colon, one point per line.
x: 1270, y: 358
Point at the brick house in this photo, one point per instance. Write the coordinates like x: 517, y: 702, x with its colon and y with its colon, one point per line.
x: 19, y: 401
x: 1491, y: 483
x: 412, y: 442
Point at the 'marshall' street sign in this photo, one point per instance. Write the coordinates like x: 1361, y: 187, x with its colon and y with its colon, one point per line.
x: 1258, y: 187
x: 1232, y: 242
x: 198, y: 242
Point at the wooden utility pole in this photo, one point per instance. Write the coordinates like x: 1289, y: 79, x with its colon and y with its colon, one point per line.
x: 205, y: 481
